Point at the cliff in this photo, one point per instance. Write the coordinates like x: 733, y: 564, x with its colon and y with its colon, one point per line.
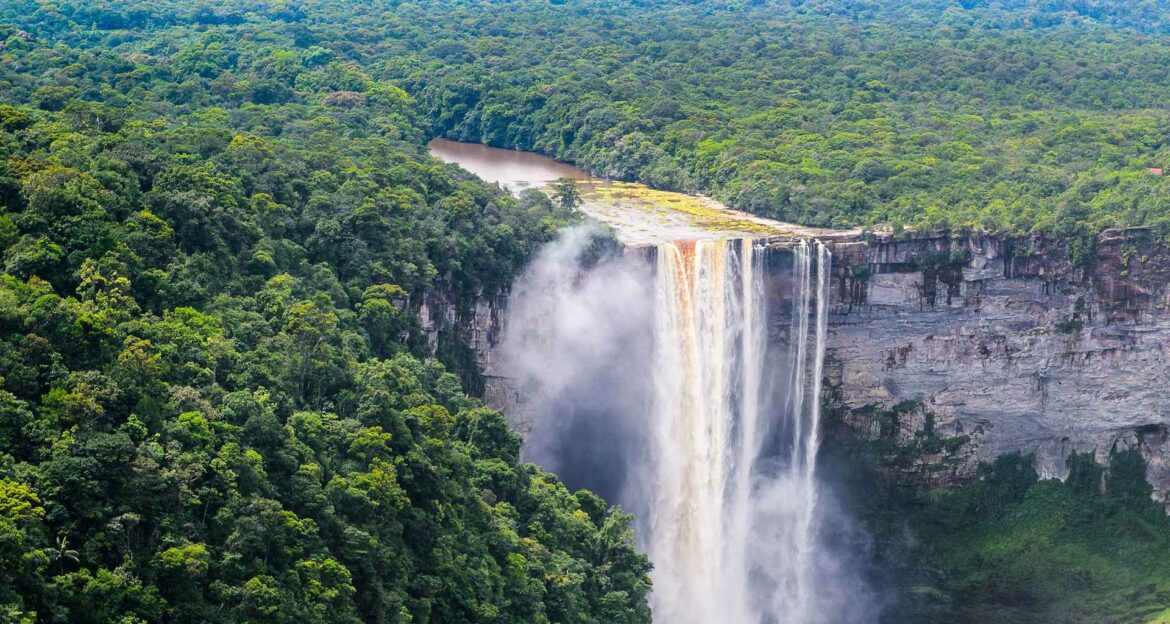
x: 1010, y: 342
x: 1013, y: 344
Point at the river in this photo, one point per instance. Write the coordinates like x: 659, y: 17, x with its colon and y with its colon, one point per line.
x: 511, y: 169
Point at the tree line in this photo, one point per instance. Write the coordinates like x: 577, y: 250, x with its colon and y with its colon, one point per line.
x: 216, y: 400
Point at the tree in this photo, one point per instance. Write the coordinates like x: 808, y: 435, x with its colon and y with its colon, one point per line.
x: 60, y: 553
x: 566, y: 194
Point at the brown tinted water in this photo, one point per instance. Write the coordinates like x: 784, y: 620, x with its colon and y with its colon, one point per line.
x: 639, y: 215
x: 512, y: 169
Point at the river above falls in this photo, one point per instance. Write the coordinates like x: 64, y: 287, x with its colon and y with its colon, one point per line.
x: 511, y: 169
x: 638, y: 214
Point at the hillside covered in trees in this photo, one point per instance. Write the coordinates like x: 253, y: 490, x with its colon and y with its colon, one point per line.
x: 1012, y: 115
x: 216, y: 403
x: 1004, y: 115
x: 216, y: 399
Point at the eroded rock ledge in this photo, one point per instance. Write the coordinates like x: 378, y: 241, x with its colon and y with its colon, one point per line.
x: 1022, y: 344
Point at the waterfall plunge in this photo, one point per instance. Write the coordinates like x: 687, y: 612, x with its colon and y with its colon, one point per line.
x: 715, y: 440
x: 731, y: 534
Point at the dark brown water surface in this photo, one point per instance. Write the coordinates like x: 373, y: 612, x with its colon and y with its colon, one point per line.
x: 512, y: 169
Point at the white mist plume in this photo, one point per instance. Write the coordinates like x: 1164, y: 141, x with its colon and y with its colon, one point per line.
x: 654, y: 380
x: 577, y: 343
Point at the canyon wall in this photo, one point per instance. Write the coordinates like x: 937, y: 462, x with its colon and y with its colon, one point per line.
x: 479, y: 326
x: 1012, y: 344
x: 1024, y: 344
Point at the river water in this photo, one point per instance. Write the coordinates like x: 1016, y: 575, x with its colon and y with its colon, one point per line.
x: 511, y: 169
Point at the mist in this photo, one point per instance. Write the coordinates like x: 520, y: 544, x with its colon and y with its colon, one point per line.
x: 682, y: 382
x: 577, y: 346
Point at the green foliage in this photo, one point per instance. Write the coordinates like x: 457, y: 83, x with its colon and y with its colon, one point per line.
x: 217, y: 227
x: 1002, y: 544
x: 1010, y: 547
x: 1007, y: 116
x: 1006, y: 535
x: 566, y: 194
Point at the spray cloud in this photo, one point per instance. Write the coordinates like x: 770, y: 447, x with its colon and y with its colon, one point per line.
x: 675, y: 381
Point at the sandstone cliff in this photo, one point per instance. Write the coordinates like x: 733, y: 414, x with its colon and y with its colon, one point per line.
x: 1018, y: 344
x: 1010, y: 342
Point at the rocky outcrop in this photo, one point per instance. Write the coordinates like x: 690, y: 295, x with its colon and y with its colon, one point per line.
x: 1031, y: 344
x: 1015, y: 344
x: 479, y: 326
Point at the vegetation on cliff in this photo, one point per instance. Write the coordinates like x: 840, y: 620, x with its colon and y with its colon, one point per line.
x: 213, y: 399
x: 1006, y: 546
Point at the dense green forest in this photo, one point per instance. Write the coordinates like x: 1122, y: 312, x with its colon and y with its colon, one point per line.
x: 1008, y: 116
x: 1007, y: 547
x: 216, y: 403
x: 1011, y: 548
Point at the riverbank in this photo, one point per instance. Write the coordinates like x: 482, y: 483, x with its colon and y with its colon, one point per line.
x: 639, y: 215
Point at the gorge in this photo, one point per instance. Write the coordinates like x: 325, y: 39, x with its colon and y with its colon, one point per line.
x: 988, y: 345
x: 713, y: 423
x: 949, y: 351
x: 959, y: 323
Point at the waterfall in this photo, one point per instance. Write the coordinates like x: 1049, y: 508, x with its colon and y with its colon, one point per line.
x: 688, y: 408
x: 708, y: 524
x: 707, y: 305
x: 797, y: 481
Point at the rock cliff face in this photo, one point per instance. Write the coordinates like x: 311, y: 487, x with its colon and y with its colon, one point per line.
x: 1019, y: 344
x: 1009, y: 342
x: 479, y: 327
